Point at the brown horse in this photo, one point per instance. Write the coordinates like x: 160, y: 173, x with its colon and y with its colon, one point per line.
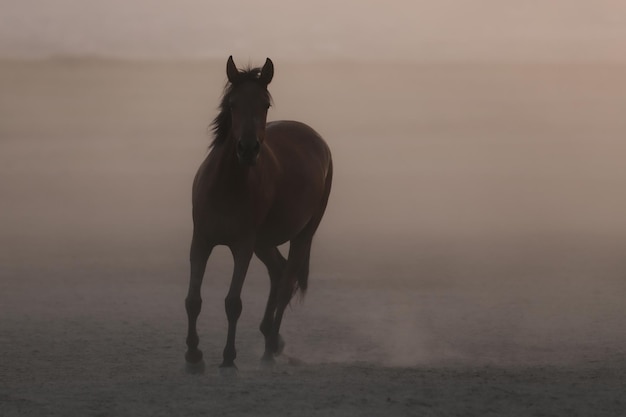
x: 261, y: 185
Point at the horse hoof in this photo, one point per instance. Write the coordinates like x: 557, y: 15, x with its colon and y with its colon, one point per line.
x: 228, y: 370
x: 267, y: 361
x: 193, y: 356
x: 195, y: 368
x: 280, y: 346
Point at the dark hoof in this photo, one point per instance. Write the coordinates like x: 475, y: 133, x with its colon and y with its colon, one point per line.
x: 280, y: 346
x: 228, y: 370
x: 267, y: 361
x: 193, y: 356
x: 195, y: 368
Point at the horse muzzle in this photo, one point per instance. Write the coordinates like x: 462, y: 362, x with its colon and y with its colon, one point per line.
x: 248, y: 151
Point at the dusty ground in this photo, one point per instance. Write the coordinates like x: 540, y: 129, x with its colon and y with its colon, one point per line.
x: 110, y: 342
x: 478, y: 271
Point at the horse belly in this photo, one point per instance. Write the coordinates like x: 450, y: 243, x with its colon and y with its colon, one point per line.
x: 276, y: 231
x: 290, y: 215
x: 277, y: 234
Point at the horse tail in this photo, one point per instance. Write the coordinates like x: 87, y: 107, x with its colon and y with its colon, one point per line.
x: 303, y: 278
x: 303, y: 273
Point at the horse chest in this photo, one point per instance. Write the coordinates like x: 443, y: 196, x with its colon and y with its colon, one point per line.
x: 229, y: 215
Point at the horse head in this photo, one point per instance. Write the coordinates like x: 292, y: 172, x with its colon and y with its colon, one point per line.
x: 248, y: 100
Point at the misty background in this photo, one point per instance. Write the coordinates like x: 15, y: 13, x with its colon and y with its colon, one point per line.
x: 351, y: 29
x: 478, y: 202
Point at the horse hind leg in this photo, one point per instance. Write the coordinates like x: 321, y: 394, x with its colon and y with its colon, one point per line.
x: 296, y: 272
x: 275, y: 263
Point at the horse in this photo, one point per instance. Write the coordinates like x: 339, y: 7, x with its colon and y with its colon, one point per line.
x: 262, y: 184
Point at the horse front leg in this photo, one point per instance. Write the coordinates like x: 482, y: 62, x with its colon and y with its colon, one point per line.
x: 199, y: 255
x: 241, y: 254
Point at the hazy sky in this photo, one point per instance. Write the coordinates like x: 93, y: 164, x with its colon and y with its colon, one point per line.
x: 407, y: 29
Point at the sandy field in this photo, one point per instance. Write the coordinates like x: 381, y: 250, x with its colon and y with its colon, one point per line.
x: 471, y: 262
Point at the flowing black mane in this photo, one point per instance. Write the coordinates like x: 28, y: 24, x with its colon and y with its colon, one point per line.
x: 220, y: 126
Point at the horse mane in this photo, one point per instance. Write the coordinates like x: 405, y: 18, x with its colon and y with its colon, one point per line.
x: 220, y: 126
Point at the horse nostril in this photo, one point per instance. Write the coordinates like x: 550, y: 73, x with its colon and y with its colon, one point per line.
x: 257, y: 147
x: 240, y: 147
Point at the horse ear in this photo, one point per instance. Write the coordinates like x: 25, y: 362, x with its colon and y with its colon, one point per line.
x: 231, y: 70
x: 267, y: 72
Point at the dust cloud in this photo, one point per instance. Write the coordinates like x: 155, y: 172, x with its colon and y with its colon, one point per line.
x: 477, y: 214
